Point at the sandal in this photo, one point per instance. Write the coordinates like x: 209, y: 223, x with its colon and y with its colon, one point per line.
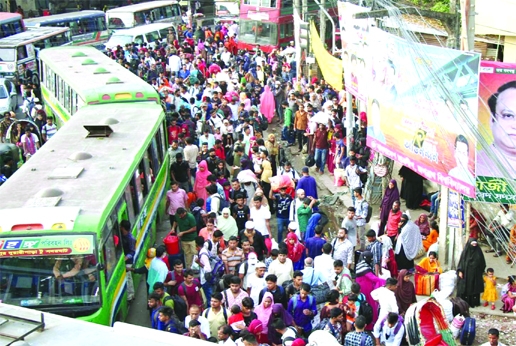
x: 489, y: 251
x: 493, y: 307
x: 497, y: 255
x: 508, y: 262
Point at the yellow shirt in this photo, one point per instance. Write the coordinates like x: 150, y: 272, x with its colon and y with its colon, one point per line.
x: 266, y: 171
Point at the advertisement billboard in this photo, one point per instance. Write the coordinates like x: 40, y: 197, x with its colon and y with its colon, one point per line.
x: 496, y: 158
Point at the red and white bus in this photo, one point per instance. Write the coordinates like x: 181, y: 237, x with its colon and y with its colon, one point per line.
x: 10, y: 24
x: 270, y: 23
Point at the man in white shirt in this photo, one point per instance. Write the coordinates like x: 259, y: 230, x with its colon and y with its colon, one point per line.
x: 282, y: 267
x: 342, y: 248
x: 361, y: 209
x: 195, y: 314
x: 352, y: 177
x: 386, y: 297
x: 389, y: 331
x: 324, y: 263
x: 191, y: 151
x: 203, y: 260
x: 256, y: 282
x: 261, y: 217
x: 288, y: 334
x: 493, y: 335
x: 310, y: 275
x: 247, y: 269
x: 224, y: 335
x: 174, y: 62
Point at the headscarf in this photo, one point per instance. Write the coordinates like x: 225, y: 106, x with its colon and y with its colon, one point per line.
x: 391, y: 195
x: 278, y: 309
x: 263, y: 314
x: 227, y: 226
x: 405, y: 292
x: 424, y: 226
x: 295, y: 251
x: 472, y: 256
x: 201, y: 178
x: 365, y: 264
x: 410, y: 238
x: 267, y: 104
x: 255, y: 327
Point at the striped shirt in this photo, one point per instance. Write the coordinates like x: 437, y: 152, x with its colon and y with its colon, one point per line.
x: 232, y: 258
x: 49, y: 130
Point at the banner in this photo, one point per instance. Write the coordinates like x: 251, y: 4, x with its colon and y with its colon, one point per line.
x: 356, y: 53
x: 46, y: 245
x: 496, y: 160
x: 455, y: 210
x: 330, y: 66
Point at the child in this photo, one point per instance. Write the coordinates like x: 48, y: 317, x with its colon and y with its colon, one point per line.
x: 490, y: 295
x: 272, y: 257
x: 351, y: 313
x: 236, y: 320
x: 226, y: 185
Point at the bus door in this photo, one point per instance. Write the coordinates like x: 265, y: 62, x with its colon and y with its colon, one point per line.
x: 26, y: 55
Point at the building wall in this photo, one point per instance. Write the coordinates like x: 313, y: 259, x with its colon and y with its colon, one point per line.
x: 495, y: 17
x: 509, y: 53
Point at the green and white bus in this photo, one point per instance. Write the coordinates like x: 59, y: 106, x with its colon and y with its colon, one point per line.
x: 126, y: 17
x: 60, y: 242
x: 73, y: 77
x: 86, y: 27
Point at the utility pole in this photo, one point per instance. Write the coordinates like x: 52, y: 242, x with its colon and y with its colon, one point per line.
x: 468, y: 25
x: 304, y: 17
x: 298, y: 17
x: 322, y: 22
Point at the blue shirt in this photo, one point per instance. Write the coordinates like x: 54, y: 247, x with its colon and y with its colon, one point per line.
x: 314, y: 246
x: 302, y: 320
x: 308, y: 184
x: 155, y: 322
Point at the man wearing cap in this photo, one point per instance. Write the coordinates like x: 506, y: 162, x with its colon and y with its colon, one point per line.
x: 186, y: 228
x: 308, y: 184
x: 255, y: 238
x: 256, y: 282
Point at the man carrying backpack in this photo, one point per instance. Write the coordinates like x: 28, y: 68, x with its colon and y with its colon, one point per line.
x: 361, y: 211
x: 203, y: 260
x: 389, y: 331
x: 303, y: 309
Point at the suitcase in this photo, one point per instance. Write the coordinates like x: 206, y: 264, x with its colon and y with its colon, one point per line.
x: 467, y: 334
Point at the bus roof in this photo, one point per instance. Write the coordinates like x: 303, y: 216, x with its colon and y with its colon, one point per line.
x: 141, y: 7
x: 75, y: 171
x: 59, y: 330
x: 8, y: 15
x: 29, y: 36
x: 93, y: 75
x: 57, y: 18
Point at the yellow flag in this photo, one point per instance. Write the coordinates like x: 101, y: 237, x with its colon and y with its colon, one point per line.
x: 330, y: 66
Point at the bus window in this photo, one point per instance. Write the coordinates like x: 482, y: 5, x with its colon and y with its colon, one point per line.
x: 116, y: 23
x: 74, y: 28
x: 101, y: 24
x: 152, y: 37
x: 148, y: 177
x: 266, y: 33
x: 135, y: 195
x: 7, y: 54
x: 286, y: 30
x: 176, y: 9
x: 138, y: 40
x: 128, y: 197
x: 246, y: 32
x: 159, y: 143
x: 139, y: 18
x: 112, y: 245
x: 22, y: 53
x: 143, y: 169
x: 153, y: 155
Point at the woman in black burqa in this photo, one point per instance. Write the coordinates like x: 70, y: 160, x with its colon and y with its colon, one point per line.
x: 470, y: 271
x: 411, y: 187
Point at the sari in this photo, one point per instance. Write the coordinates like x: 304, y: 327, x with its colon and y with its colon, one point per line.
x: 267, y: 104
x: 201, y: 181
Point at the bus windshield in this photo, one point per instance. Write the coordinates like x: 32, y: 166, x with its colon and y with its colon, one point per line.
x: 49, y: 271
x: 7, y: 54
x: 119, y: 40
x: 256, y: 32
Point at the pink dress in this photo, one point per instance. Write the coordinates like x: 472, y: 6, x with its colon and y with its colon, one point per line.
x: 331, y: 155
x: 508, y: 302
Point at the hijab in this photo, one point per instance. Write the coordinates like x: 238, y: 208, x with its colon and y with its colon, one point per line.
x: 227, y: 226
x: 295, y: 251
x: 424, y: 226
x: 255, y: 327
x: 201, y: 177
x: 391, y: 195
x: 267, y: 104
x: 279, y: 310
x: 472, y: 256
x: 263, y: 314
x: 410, y: 238
x: 365, y: 264
x: 405, y: 292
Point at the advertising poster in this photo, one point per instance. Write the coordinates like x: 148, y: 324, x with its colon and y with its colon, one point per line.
x: 422, y: 108
x: 455, y: 210
x: 496, y: 154
x: 356, y: 53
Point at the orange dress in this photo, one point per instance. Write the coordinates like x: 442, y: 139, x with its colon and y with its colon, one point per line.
x: 430, y: 239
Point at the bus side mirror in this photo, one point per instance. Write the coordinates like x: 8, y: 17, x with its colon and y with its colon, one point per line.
x: 100, y: 266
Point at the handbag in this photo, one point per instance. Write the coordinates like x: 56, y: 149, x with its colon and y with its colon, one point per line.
x: 310, y: 161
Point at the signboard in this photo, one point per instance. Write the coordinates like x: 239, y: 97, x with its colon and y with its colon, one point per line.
x: 46, y: 246
x: 455, y: 210
x: 496, y: 158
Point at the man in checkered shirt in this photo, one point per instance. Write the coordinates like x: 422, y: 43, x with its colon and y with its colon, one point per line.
x: 359, y: 337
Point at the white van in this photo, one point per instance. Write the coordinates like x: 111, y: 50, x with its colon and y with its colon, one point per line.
x: 151, y: 34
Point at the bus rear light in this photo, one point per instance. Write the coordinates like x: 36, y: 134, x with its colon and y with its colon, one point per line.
x: 154, y: 99
x: 106, y: 97
x: 27, y: 227
x: 139, y: 95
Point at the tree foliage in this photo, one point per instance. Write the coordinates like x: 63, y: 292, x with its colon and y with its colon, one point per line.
x: 434, y: 5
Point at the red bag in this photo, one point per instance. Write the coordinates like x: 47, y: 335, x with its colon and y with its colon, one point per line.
x: 171, y: 242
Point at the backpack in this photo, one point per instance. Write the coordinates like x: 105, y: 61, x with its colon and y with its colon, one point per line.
x: 223, y: 203
x: 294, y: 302
x: 175, y: 325
x: 467, y: 334
x: 196, y: 212
x: 230, y: 158
x: 264, y: 124
x: 289, y: 338
x: 179, y: 306
x: 224, y: 311
x: 366, y: 310
x: 200, y: 77
x: 217, y: 269
x: 369, y: 212
x: 322, y: 324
